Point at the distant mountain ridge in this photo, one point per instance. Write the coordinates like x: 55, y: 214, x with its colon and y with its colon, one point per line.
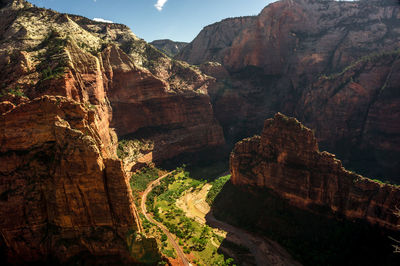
x: 169, y: 47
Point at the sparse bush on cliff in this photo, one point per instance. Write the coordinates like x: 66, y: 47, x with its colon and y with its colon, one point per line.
x: 49, y: 73
x: 17, y: 91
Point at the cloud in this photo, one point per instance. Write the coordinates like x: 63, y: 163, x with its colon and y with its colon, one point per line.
x: 160, y: 4
x: 102, y: 20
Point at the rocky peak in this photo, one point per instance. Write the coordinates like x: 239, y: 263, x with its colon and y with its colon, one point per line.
x: 170, y: 48
x: 287, y: 160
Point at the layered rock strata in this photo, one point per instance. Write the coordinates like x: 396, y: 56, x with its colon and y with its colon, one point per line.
x: 331, y: 64
x: 64, y: 194
x: 286, y: 159
x: 130, y: 84
x: 60, y: 197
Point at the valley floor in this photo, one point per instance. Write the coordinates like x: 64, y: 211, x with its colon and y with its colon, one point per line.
x: 180, y: 209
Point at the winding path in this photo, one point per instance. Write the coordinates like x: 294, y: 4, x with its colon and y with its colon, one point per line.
x: 171, y: 239
x: 265, y: 251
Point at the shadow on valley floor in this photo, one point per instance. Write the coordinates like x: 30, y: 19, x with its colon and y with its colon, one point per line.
x: 204, y: 165
x: 311, y: 239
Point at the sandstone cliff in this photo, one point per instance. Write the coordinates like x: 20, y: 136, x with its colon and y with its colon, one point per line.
x: 331, y: 64
x: 130, y: 84
x: 169, y: 47
x: 286, y: 159
x: 65, y: 83
x: 60, y: 197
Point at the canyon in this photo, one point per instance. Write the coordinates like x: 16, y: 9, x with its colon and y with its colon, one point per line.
x: 70, y: 87
x: 84, y: 104
x: 331, y: 64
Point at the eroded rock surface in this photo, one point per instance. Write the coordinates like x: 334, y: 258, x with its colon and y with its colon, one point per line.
x: 60, y: 197
x: 286, y: 159
x: 331, y: 64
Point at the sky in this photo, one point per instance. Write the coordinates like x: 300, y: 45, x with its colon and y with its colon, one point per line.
x: 178, y: 20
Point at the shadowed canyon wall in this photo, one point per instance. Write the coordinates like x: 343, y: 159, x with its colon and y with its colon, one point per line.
x: 286, y: 159
x: 331, y: 64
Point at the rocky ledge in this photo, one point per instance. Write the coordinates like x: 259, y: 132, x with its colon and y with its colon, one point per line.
x: 287, y: 160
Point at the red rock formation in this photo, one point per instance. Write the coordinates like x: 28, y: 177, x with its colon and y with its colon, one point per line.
x: 60, y: 197
x: 63, y: 193
x: 179, y: 121
x: 287, y: 160
x: 277, y: 62
x: 131, y: 85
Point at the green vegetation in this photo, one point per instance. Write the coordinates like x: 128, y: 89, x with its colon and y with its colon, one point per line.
x: 17, y: 91
x: 196, y: 239
x: 365, y: 59
x: 140, y: 180
x: 90, y: 106
x: 209, y: 170
x: 385, y: 182
x: 52, y: 62
x: 92, y: 50
x: 53, y: 73
x: 133, y: 148
x: 216, y: 188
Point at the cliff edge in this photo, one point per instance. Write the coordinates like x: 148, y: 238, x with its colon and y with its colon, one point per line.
x: 286, y: 159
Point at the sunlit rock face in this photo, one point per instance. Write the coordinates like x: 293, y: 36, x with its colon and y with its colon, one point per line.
x: 60, y: 196
x: 68, y: 86
x: 334, y: 65
x: 286, y: 159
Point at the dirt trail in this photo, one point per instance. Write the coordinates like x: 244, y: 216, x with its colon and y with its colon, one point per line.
x: 265, y: 251
x: 171, y: 239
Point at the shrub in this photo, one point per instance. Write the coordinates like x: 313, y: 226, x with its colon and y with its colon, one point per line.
x: 17, y: 91
x: 216, y: 188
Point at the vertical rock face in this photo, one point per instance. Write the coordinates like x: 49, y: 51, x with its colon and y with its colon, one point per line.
x: 331, y: 64
x: 176, y: 120
x: 214, y: 41
x: 130, y: 84
x: 60, y: 197
x: 66, y: 81
x: 287, y: 160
